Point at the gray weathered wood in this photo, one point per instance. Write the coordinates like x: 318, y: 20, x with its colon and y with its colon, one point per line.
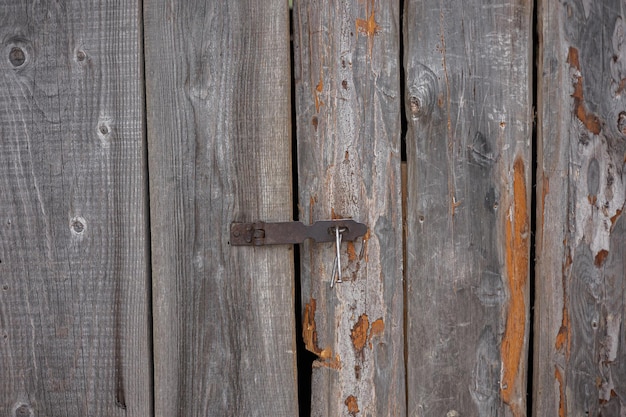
x: 468, y: 104
x: 581, y: 235
x: 218, y: 111
x: 74, y: 327
x: 348, y: 113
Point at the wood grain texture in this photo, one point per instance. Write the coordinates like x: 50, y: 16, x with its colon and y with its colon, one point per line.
x: 348, y: 114
x: 218, y: 111
x: 74, y: 326
x: 468, y: 104
x: 580, y: 336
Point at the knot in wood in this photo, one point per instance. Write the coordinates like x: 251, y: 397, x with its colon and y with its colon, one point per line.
x: 78, y: 225
x: 22, y: 410
x: 421, y: 92
x: 621, y: 123
x: 17, y: 56
x: 80, y: 56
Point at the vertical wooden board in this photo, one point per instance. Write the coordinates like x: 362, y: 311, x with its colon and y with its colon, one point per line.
x: 74, y: 327
x: 218, y: 111
x: 348, y: 114
x: 580, y: 335
x: 468, y: 103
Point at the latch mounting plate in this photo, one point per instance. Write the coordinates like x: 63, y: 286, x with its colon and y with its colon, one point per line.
x: 281, y: 233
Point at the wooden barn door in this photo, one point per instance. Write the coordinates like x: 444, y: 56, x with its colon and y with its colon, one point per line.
x: 133, y: 133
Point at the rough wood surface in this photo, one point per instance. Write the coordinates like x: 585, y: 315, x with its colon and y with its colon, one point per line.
x: 581, y: 235
x: 468, y: 105
x: 74, y: 326
x: 348, y: 104
x: 218, y: 100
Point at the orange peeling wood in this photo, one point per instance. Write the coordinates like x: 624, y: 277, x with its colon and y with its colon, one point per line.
x: 351, y: 252
x: 309, y: 330
x: 562, y: 404
x: 592, y: 199
x: 453, y: 205
x: 590, y: 120
x: 369, y: 27
x: 328, y: 362
x: 517, y: 247
x: 615, y: 217
x: 326, y: 353
x: 318, y: 90
x: 572, y: 58
x: 601, y: 257
x: 359, y: 332
x: 377, y: 329
x: 563, y: 339
x: 352, y: 404
x: 309, y: 334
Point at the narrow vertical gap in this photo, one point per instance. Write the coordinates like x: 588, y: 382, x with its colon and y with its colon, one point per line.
x: 148, y: 230
x: 533, y: 209
x: 404, y: 187
x: 304, y: 357
x: 403, y: 120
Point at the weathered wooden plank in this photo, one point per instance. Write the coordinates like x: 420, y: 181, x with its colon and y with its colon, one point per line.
x: 581, y: 236
x: 73, y: 241
x: 348, y: 113
x: 218, y: 111
x: 468, y: 103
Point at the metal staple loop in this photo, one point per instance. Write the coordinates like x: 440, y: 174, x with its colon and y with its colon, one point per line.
x: 339, y: 231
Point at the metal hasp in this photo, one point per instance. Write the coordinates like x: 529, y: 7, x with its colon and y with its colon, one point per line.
x: 261, y: 233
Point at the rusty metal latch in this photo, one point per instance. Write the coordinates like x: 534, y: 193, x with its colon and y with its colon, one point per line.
x: 262, y: 233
